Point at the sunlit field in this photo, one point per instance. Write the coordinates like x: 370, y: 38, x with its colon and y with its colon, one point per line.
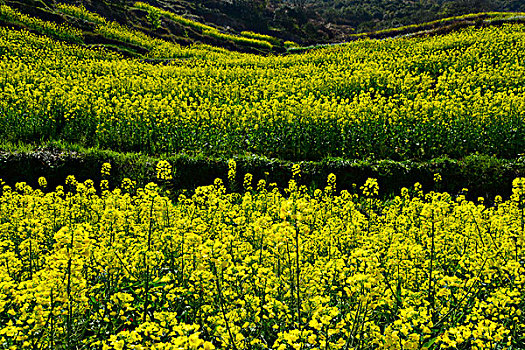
x: 399, y: 99
x: 85, y: 267
x: 107, y: 264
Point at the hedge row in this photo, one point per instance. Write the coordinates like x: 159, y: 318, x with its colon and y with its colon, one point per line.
x: 484, y: 176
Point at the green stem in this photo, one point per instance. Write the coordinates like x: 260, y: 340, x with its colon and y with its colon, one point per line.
x: 430, y: 291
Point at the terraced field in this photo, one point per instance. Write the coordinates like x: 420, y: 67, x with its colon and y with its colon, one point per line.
x: 244, y: 262
x: 401, y: 99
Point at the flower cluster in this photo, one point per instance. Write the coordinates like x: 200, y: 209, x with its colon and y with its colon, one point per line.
x: 105, y: 170
x: 130, y: 269
x: 411, y: 98
x: 164, y: 170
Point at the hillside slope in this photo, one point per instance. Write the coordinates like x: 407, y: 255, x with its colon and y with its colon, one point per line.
x: 301, y: 21
x: 372, y: 15
x: 396, y: 99
x: 391, y: 107
x: 139, y: 29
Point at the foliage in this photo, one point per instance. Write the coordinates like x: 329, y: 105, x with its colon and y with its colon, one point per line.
x: 81, y: 12
x: 111, y: 264
x: 258, y: 36
x: 155, y: 48
x: 410, y: 98
x: 172, y: 16
x: 62, y: 32
x: 244, y: 40
x: 484, y: 176
x: 372, y: 15
x: 253, y: 39
x: 479, y: 18
x: 82, y: 266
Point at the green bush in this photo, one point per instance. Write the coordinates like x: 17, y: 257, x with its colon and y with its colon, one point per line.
x: 483, y: 175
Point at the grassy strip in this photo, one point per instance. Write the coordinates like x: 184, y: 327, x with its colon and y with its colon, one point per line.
x: 58, y: 31
x: 156, y: 12
x: 263, y: 37
x: 81, y: 12
x: 483, y: 17
x: 484, y: 176
x: 258, y: 40
x: 214, y: 33
x: 489, y: 16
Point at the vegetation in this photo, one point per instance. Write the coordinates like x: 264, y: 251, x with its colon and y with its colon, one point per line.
x: 82, y: 13
x: 307, y: 22
x: 248, y: 38
x: 223, y: 36
x: 62, y: 32
x: 481, y: 18
x: 373, y: 15
x: 132, y: 39
x: 83, y: 266
x: 418, y: 98
x: 259, y: 261
x: 484, y: 176
x: 263, y: 37
x: 157, y: 12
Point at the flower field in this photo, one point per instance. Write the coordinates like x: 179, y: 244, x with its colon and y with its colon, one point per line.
x: 248, y: 264
x: 83, y: 267
x: 405, y: 98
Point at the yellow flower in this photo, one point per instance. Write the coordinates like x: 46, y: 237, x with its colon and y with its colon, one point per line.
x: 106, y: 169
x: 164, y: 170
x: 42, y: 182
x: 370, y: 188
